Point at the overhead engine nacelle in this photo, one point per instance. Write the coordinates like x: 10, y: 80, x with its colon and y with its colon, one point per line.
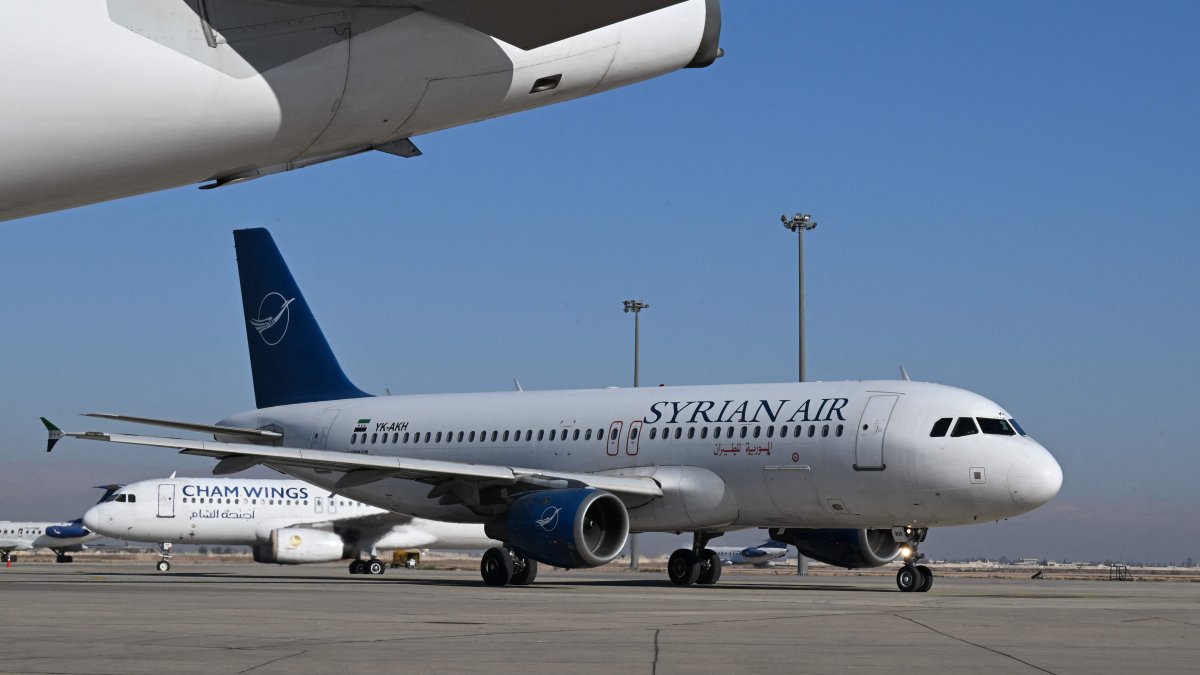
x: 574, y: 527
x: 297, y: 545
x: 842, y: 548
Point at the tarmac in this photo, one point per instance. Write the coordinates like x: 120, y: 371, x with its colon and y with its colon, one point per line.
x: 242, y: 618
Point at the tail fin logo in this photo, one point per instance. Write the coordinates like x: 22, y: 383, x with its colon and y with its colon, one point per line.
x: 273, y: 318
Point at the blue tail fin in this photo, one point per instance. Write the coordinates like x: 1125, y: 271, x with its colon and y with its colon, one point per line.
x: 289, y: 356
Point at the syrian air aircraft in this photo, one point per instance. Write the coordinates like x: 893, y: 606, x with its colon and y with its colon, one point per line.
x: 62, y: 538
x: 759, y: 556
x: 124, y: 97
x: 287, y: 522
x: 849, y: 472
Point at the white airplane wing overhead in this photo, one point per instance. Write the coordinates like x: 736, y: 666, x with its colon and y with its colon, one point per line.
x: 364, y: 469
x: 527, y: 24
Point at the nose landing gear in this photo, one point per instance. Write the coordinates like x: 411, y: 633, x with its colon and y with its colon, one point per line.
x: 912, y: 577
x: 164, y: 552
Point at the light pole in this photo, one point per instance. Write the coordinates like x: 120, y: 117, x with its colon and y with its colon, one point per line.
x: 635, y: 306
x: 800, y: 223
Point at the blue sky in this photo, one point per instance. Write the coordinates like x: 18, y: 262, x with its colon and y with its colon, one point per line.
x: 1006, y: 196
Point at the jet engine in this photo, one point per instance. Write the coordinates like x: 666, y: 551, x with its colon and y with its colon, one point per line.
x: 571, y: 527
x: 297, y: 545
x: 843, y: 548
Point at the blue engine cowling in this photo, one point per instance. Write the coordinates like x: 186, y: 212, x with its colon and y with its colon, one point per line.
x: 72, y: 531
x: 842, y: 548
x: 573, y: 527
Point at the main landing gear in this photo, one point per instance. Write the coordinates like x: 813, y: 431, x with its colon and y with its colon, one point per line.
x: 912, y: 577
x: 63, y: 558
x: 373, y: 566
x: 695, y: 565
x: 7, y: 558
x: 164, y: 552
x: 503, y: 566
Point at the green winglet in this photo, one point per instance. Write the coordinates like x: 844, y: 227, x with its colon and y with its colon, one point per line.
x: 55, y: 434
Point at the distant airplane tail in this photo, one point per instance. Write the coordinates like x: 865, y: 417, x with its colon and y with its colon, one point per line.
x: 289, y: 355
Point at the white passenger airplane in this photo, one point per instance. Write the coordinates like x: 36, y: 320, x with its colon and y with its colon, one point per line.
x: 124, y: 97
x: 287, y: 522
x: 759, y: 556
x: 62, y: 538
x: 852, y: 473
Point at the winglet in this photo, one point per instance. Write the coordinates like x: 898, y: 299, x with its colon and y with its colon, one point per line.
x: 904, y: 374
x: 55, y: 434
x: 517, y: 385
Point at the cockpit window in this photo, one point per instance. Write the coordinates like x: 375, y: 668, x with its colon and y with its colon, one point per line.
x: 964, y: 427
x: 132, y: 498
x: 996, y: 427
x: 120, y: 498
x: 940, y: 427
x: 1018, y: 427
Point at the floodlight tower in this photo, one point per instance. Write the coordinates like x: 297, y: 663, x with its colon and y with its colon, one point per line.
x: 800, y: 223
x: 635, y: 306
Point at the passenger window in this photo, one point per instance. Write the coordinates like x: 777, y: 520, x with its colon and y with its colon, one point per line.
x: 438, y: 438
x: 588, y: 435
x: 744, y: 430
x: 940, y: 427
x: 812, y: 430
x: 653, y: 433
x: 729, y: 432
x: 796, y: 433
x: 353, y: 438
x: 824, y: 431
x: 995, y: 427
x: 600, y: 434
x: 495, y: 435
x: 406, y: 437
x: 964, y: 427
x: 374, y: 438
x: 678, y: 433
x: 552, y: 433
x: 575, y: 437
x: 783, y: 431
x: 427, y: 434
x: 757, y: 431
x: 839, y: 431
x: 528, y: 435
x: 541, y: 435
x: 703, y: 432
x: 505, y: 438
x: 691, y: 432
x: 460, y: 437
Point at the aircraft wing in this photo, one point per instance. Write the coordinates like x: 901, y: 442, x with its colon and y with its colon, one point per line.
x: 527, y: 24
x: 364, y: 469
x: 7, y: 545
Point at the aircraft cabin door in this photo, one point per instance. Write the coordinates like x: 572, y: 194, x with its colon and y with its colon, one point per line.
x: 868, y: 444
x: 614, y: 438
x: 166, y: 500
x: 321, y: 435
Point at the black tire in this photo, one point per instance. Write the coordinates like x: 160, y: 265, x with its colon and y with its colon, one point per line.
x: 710, y: 567
x: 527, y: 573
x: 375, y: 566
x: 684, y: 567
x: 358, y: 567
x: 496, y: 567
x: 163, y: 566
x: 926, y: 579
x: 909, y: 579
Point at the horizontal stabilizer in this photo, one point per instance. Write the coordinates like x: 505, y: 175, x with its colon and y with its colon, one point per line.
x: 215, y: 429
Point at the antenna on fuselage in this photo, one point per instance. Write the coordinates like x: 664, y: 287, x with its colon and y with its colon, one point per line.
x: 517, y: 385
x: 904, y: 375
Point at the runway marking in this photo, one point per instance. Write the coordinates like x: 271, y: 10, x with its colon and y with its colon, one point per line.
x: 974, y: 644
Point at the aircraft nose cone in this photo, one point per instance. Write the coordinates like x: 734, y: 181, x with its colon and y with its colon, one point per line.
x: 91, y: 519
x: 1035, y: 481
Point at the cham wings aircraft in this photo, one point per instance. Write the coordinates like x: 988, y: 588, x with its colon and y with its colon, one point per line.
x: 124, y: 97
x: 62, y: 538
x: 849, y: 472
x: 287, y: 522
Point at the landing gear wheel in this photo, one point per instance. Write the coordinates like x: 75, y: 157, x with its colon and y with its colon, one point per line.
x: 496, y: 567
x: 4, y: 557
x: 684, y: 567
x: 163, y: 566
x: 358, y: 567
x: 63, y: 558
x: 710, y: 567
x: 909, y: 578
x: 524, y: 571
x: 926, y: 579
x: 375, y: 566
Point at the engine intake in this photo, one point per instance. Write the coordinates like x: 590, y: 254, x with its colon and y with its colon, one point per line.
x: 573, y: 527
x: 842, y: 548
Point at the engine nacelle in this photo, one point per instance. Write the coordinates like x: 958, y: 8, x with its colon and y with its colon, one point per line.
x: 297, y: 545
x: 843, y: 548
x: 573, y: 527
